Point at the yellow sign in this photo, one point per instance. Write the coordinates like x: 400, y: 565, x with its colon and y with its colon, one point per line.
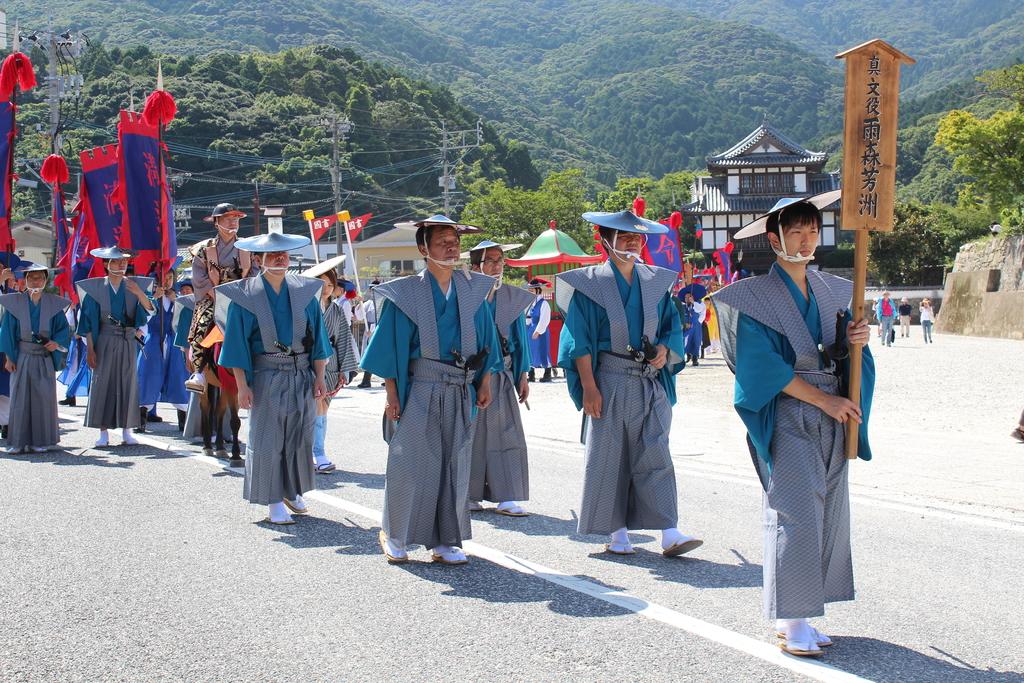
x: 308, y: 215
x: 869, y: 134
x: 344, y: 216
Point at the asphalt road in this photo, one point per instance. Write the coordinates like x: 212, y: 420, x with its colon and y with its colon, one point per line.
x: 143, y: 563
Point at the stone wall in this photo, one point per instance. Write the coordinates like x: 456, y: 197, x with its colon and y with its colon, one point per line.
x: 984, y: 295
x: 1005, y: 254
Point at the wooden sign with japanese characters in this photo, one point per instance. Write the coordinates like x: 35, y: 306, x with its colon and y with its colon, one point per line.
x: 869, y: 171
x: 869, y: 134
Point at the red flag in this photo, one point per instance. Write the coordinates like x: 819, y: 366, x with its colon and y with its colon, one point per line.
x: 354, y: 226
x: 142, y: 192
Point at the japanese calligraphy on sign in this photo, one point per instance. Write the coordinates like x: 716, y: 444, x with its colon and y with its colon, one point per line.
x: 869, y: 141
x: 869, y: 173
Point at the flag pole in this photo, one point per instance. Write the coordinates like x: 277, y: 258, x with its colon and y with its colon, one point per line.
x: 310, y: 216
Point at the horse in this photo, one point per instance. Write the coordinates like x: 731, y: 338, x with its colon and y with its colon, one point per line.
x: 220, y: 397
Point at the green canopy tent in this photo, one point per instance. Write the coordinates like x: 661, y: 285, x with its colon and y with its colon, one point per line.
x: 551, y: 253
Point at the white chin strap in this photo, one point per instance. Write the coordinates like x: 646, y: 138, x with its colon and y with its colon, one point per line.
x: 117, y: 272
x: 230, y: 231
x: 781, y: 253
x: 447, y: 263
x: 624, y: 255
x: 498, y: 281
x: 35, y: 290
x: 275, y: 269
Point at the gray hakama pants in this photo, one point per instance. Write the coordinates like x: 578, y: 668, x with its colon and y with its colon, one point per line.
x: 114, y: 390
x: 429, y: 458
x: 500, y: 471
x: 278, y: 463
x: 629, y: 479
x: 807, y: 557
x: 33, y: 420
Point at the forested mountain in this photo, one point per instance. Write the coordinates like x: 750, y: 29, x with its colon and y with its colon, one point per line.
x: 644, y: 86
x: 951, y: 39
x: 246, y: 118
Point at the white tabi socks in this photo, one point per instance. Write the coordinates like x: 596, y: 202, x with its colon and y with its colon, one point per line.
x: 297, y: 506
x: 446, y: 554
x: 619, y: 543
x: 104, y: 439
x: 127, y: 439
x: 674, y: 542
x: 800, y: 635
x: 279, y: 514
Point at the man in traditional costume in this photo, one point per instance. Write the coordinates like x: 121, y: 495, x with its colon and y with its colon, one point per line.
x: 537, y: 320
x: 215, y: 261
x: 621, y: 348
x: 8, y: 285
x: 161, y: 365
x: 692, y: 328
x: 340, y: 363
x: 184, y: 311
x: 367, y: 315
x: 113, y: 308
x: 500, y: 471
x: 76, y: 374
x: 34, y: 336
x: 785, y: 335
x: 435, y: 346
x: 276, y: 345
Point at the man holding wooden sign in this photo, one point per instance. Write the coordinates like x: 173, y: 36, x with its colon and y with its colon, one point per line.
x: 796, y: 348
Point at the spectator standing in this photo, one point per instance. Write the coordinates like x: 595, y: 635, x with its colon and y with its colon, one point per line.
x: 905, y: 310
x: 927, y: 319
x: 885, y: 309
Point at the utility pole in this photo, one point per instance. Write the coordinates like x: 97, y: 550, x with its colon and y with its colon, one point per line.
x: 256, y: 207
x: 339, y: 128
x: 445, y: 180
x: 59, y: 86
x: 455, y: 140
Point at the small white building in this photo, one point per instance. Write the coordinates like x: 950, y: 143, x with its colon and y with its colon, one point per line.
x: 34, y: 240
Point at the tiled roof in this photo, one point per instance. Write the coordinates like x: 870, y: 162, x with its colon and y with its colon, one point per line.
x: 771, y: 160
x: 741, y: 155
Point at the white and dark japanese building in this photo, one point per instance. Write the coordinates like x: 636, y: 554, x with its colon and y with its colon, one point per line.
x: 746, y: 181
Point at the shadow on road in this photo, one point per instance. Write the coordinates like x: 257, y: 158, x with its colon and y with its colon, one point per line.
x: 61, y: 458
x: 339, y: 477
x: 882, y: 661
x: 483, y: 580
x: 690, y: 569
x: 545, y: 525
x: 310, y: 531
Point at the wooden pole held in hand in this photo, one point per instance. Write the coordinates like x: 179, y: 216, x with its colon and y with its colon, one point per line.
x: 869, y: 171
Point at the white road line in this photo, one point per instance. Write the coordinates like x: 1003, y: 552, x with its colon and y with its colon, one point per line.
x: 697, y: 470
x: 688, y: 467
x: 767, y: 652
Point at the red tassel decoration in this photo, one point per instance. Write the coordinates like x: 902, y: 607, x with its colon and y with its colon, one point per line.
x: 639, y: 206
x: 160, y: 108
x: 55, y: 170
x: 350, y: 294
x: 16, y: 71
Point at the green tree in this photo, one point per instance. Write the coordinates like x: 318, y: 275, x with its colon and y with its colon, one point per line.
x: 991, y: 152
x: 923, y: 242
x: 516, y: 215
x: 1008, y: 82
x: 662, y: 196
